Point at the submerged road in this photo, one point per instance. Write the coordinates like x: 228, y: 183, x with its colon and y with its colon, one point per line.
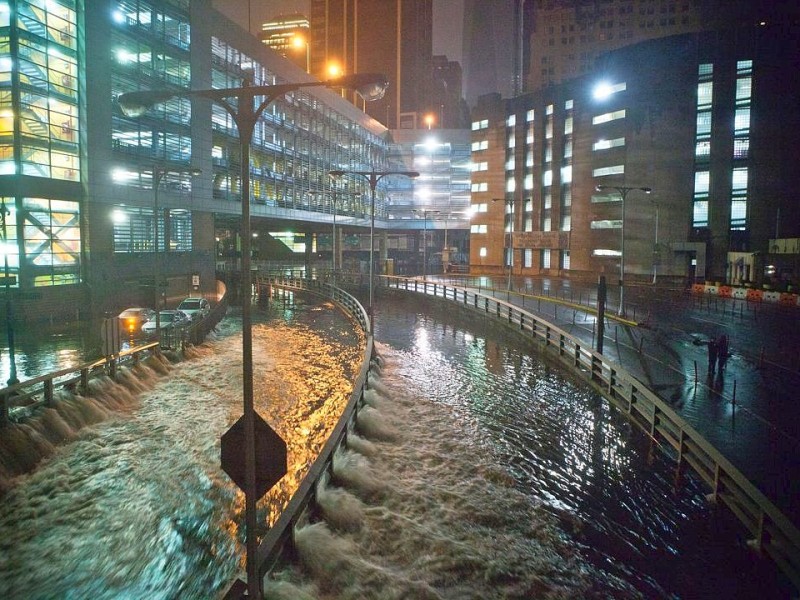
x: 481, y: 472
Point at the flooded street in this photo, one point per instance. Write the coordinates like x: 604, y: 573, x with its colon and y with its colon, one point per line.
x: 480, y: 472
x: 487, y: 474
x: 137, y: 505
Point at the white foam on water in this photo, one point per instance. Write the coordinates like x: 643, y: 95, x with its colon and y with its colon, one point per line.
x: 341, y: 509
x: 447, y: 523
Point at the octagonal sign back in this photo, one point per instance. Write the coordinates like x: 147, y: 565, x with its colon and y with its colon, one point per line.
x: 270, y: 455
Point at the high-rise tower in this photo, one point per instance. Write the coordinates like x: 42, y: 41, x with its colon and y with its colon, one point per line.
x: 393, y: 37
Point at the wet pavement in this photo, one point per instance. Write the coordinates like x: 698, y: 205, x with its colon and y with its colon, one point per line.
x: 748, y: 410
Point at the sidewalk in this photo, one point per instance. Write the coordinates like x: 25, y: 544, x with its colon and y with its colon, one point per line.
x: 748, y: 411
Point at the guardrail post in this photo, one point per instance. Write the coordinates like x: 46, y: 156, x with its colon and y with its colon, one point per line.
x: 48, y: 392
x: 85, y: 380
x: 4, y: 410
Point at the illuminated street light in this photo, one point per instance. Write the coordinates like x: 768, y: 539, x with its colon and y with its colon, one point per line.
x: 300, y: 42
x: 158, y: 175
x: 622, y: 190
x: 238, y: 102
x: 373, y: 177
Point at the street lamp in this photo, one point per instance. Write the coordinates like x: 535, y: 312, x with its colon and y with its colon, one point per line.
x: 12, y: 373
x: 373, y: 177
x: 298, y: 41
x: 622, y: 190
x: 238, y: 102
x: 656, y: 251
x: 425, y: 213
x: 509, y: 202
x: 158, y: 175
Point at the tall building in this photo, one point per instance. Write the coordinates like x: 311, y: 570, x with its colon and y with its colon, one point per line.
x: 289, y: 35
x: 94, y: 198
x: 489, y: 48
x: 707, y: 121
x: 393, y: 37
x: 565, y: 37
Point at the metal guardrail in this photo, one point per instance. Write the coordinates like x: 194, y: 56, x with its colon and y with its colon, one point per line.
x: 40, y: 391
x: 27, y: 396
x: 279, y: 540
x: 771, y: 531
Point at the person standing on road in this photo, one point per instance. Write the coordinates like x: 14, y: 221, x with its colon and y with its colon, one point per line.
x: 722, y: 351
x: 713, y: 351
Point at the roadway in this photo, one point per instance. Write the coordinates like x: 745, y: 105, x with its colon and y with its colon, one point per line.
x: 747, y: 410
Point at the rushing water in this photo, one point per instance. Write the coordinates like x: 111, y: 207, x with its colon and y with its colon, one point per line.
x: 489, y: 474
x: 480, y: 473
x: 136, y: 505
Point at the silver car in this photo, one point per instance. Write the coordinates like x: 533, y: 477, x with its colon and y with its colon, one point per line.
x: 169, y: 319
x: 196, y: 308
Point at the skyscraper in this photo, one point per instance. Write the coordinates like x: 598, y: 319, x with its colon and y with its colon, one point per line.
x: 393, y: 37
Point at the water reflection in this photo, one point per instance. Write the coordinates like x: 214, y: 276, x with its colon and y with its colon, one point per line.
x: 137, y: 505
x: 612, y: 490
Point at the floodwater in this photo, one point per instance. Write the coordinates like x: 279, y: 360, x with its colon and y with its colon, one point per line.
x: 487, y: 474
x: 480, y: 472
x: 136, y: 505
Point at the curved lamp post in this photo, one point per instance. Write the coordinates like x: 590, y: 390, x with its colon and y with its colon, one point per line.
x: 623, y: 191
x: 158, y: 175
x: 373, y: 177
x: 239, y: 103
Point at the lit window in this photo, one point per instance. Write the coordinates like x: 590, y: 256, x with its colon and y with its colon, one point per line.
x: 705, y: 92
x: 606, y: 224
x: 529, y: 116
x: 605, y: 252
x: 738, y: 212
x: 741, y: 147
x: 547, y: 178
x: 529, y: 182
x: 566, y: 174
x: 607, y: 117
x: 700, y: 213
x: 604, y: 171
x: 701, y: 182
x: 568, y: 126
x: 704, y: 122
x: 511, y: 120
x: 739, y: 179
x: 744, y: 87
x: 606, y: 144
x: 565, y: 259
x: 702, y: 148
x: 477, y: 229
x: 480, y: 187
x: 511, y: 184
x: 545, y: 256
x: 742, y: 120
x: 482, y: 252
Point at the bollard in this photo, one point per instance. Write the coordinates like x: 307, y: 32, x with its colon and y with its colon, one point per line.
x: 695, y: 374
x: 734, y: 393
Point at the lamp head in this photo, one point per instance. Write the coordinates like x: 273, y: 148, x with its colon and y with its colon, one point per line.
x: 647, y: 190
x: 135, y: 104
x: 370, y: 86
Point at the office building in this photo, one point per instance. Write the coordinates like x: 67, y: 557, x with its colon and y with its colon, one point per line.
x: 393, y: 37
x: 707, y: 121
x: 289, y: 36
x: 78, y: 175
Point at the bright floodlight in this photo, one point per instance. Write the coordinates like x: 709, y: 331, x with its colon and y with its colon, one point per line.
x: 602, y: 90
x: 370, y: 86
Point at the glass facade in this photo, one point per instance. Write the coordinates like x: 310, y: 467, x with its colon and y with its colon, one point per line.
x: 39, y: 124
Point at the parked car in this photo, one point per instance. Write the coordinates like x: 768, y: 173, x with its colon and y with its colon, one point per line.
x: 196, y: 308
x: 170, y: 319
x: 132, y: 319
